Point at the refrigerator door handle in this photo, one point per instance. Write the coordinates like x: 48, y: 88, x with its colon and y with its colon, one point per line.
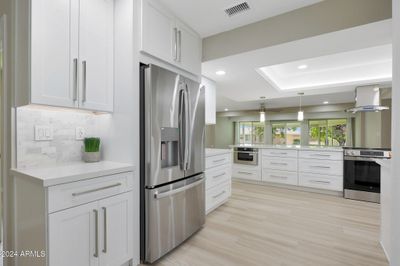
x: 181, y: 129
x: 176, y: 191
x: 187, y: 129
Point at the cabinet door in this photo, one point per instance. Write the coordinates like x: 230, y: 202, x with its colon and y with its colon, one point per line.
x: 96, y: 23
x: 72, y: 236
x: 116, y: 244
x: 54, y: 46
x: 189, y: 52
x: 158, y: 31
x: 210, y: 94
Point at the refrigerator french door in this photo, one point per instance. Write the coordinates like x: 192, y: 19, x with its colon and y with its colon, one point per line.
x: 172, y: 160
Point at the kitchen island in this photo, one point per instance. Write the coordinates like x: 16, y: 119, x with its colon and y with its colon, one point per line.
x: 314, y: 168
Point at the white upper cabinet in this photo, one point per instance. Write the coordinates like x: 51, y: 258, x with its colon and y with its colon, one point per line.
x: 96, y: 21
x: 210, y: 96
x: 64, y: 55
x: 54, y: 45
x: 167, y: 38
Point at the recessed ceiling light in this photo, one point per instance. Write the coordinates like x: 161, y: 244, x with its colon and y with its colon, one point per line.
x: 226, y: 109
x: 220, y: 72
x: 302, y: 67
x: 326, y: 102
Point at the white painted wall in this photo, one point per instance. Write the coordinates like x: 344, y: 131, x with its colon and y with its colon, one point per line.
x: 395, y: 228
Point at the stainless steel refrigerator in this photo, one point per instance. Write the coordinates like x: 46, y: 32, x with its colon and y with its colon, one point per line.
x: 172, y: 160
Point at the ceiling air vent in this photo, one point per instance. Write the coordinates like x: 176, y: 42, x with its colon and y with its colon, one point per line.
x: 237, y: 9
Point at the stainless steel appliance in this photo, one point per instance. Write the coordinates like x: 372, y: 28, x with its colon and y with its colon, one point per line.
x: 368, y: 99
x: 362, y: 175
x: 172, y: 160
x: 245, y: 155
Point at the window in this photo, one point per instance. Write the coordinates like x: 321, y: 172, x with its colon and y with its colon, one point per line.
x: 330, y: 132
x: 286, y: 133
x: 251, y: 133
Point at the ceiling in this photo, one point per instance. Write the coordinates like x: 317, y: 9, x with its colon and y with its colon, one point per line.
x: 242, y: 86
x: 207, y: 17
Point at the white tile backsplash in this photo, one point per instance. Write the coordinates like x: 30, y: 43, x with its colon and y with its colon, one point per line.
x: 63, y: 148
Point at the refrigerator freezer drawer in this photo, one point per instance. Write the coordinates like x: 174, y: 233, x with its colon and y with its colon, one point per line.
x: 173, y: 213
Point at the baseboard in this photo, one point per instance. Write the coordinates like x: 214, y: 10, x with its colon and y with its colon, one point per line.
x: 384, y: 251
x: 291, y: 187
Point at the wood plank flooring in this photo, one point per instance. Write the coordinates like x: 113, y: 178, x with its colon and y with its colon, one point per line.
x: 262, y: 225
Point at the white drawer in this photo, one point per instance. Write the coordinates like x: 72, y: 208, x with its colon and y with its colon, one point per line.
x: 217, y: 195
x: 282, y: 177
x: 80, y: 192
x: 217, y: 160
x: 279, y: 153
x: 321, y: 155
x: 217, y: 175
x: 321, y: 167
x: 284, y: 164
x: 246, y: 173
x: 321, y: 181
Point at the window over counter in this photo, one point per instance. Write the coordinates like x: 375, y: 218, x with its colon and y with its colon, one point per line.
x: 328, y: 132
x: 286, y: 133
x: 251, y: 132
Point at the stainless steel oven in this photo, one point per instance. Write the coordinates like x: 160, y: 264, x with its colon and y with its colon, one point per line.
x: 362, y: 175
x: 244, y: 155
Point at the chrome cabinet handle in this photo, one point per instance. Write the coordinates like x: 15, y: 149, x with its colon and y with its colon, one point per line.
x: 216, y: 176
x: 105, y: 229
x: 180, y: 46
x: 278, y: 163
x: 279, y: 153
x: 220, y: 160
x: 320, y: 182
x: 75, y: 81
x: 321, y: 155
x: 219, y: 194
x: 245, y: 173
x: 84, y: 81
x: 75, y: 194
x: 175, y: 44
x: 175, y: 191
x: 320, y: 167
x: 96, y: 236
x: 278, y: 176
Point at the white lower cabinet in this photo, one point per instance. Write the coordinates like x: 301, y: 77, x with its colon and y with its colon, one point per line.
x: 320, y: 181
x: 218, y: 179
x: 246, y: 172
x: 282, y: 177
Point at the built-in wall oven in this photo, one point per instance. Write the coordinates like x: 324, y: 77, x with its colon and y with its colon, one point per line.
x: 245, y: 155
x: 362, y: 175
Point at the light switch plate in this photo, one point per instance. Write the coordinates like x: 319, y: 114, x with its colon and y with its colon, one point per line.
x: 80, y: 133
x: 43, y: 133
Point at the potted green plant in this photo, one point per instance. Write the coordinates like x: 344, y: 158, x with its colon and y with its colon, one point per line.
x: 91, y: 152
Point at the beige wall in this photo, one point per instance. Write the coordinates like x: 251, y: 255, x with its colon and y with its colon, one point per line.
x: 222, y: 134
x: 327, y: 16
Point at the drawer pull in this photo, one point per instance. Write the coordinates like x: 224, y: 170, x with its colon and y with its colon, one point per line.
x: 245, y: 173
x: 219, y: 194
x: 278, y: 163
x: 76, y: 194
x: 216, y: 176
x: 96, y: 235
x: 321, y: 155
x: 279, y: 176
x: 279, y: 153
x: 320, y: 182
x: 320, y: 167
x: 220, y: 160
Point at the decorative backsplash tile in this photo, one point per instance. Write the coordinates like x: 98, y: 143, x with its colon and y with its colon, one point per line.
x: 63, y: 148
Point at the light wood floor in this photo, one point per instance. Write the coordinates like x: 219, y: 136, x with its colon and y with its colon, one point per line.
x: 261, y: 225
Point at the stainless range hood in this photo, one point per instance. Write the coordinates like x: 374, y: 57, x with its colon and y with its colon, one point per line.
x: 368, y: 99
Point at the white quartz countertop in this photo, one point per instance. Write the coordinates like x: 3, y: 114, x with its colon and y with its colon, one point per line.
x: 384, y: 162
x: 51, y: 176
x: 291, y: 147
x: 214, y: 152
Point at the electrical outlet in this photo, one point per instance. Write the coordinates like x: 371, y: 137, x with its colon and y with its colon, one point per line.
x: 43, y: 133
x: 80, y: 133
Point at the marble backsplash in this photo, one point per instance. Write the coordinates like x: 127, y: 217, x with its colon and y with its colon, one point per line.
x: 63, y: 148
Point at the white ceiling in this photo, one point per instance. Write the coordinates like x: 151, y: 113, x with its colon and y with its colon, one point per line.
x: 368, y: 65
x: 242, y: 86
x: 207, y: 17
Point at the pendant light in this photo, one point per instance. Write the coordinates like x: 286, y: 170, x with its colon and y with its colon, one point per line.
x: 262, y: 111
x: 300, y: 114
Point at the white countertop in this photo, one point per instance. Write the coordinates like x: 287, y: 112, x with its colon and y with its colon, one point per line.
x: 214, y: 152
x: 291, y: 147
x: 60, y: 174
x: 384, y: 162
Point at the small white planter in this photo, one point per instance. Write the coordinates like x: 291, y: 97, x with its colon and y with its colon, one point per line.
x: 91, y: 157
